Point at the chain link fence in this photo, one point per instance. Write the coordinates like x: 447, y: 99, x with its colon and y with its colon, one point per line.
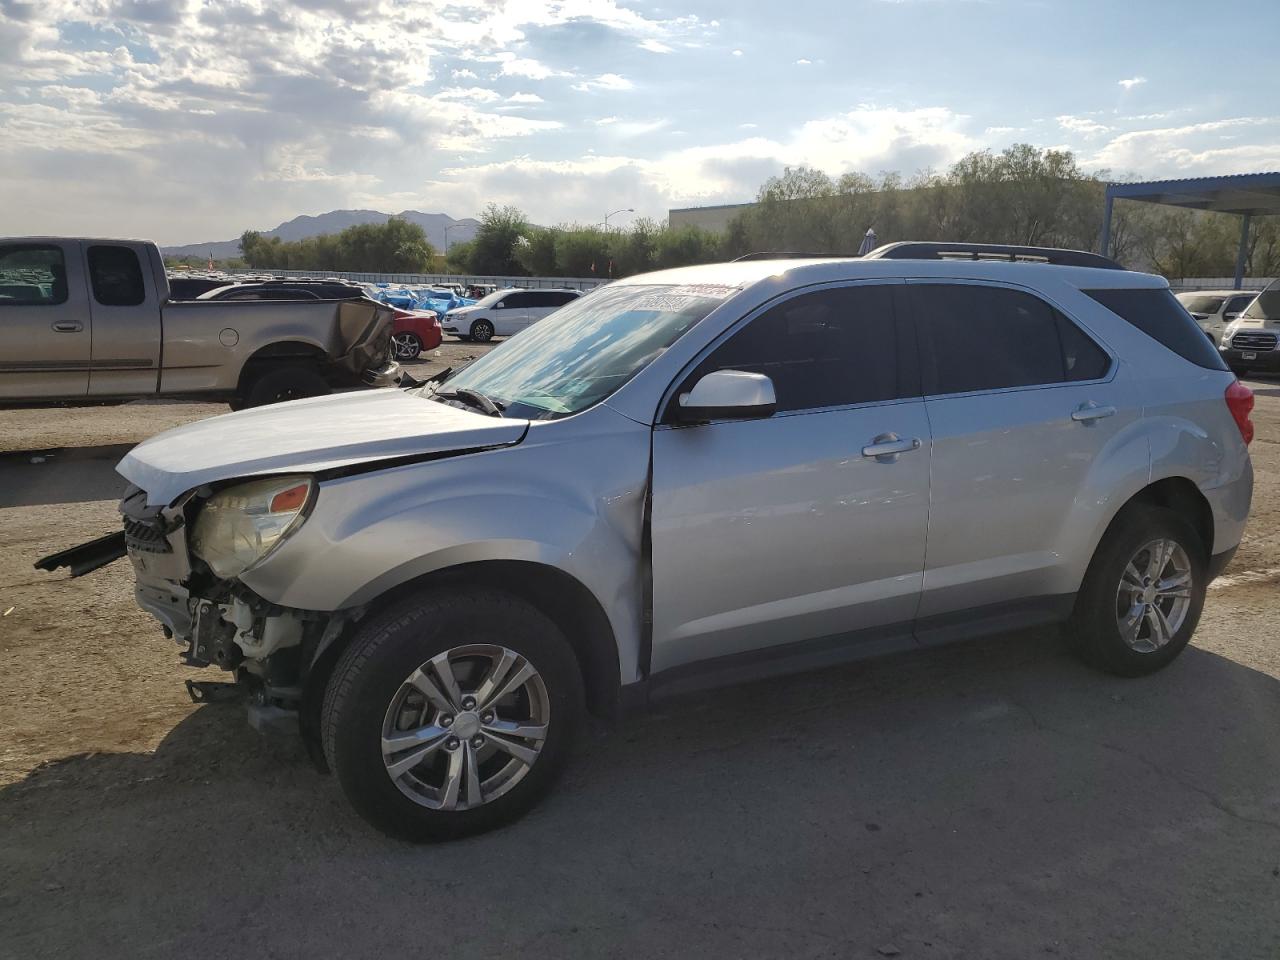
x: 432, y: 279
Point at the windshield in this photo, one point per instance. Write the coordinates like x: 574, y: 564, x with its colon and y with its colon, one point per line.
x: 583, y: 352
x: 1202, y: 304
x: 1267, y: 306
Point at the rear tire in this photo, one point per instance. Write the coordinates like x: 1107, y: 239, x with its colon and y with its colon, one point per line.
x: 280, y: 384
x: 370, y: 698
x: 1132, y: 615
x: 406, y: 346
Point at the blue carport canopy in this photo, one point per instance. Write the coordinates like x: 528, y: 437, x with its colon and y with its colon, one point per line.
x: 1247, y: 195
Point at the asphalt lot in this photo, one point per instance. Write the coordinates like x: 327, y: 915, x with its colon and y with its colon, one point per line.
x: 989, y: 800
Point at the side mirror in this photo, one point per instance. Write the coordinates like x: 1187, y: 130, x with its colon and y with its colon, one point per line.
x: 499, y: 305
x: 727, y: 394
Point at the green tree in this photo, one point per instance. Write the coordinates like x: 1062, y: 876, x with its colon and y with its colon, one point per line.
x: 493, y: 250
x: 536, y: 252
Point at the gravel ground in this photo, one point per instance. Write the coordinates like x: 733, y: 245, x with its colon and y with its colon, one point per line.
x: 990, y: 800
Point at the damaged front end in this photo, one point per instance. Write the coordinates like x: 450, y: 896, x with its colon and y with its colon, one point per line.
x: 186, y: 559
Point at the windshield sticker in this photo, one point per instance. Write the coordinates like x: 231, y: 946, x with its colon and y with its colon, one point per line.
x: 680, y: 299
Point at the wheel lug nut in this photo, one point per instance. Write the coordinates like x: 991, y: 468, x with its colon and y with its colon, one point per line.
x: 468, y: 703
x: 452, y: 743
x: 446, y: 721
x: 486, y: 718
x: 477, y: 741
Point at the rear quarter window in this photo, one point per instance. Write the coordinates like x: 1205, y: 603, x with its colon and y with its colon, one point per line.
x: 1158, y: 314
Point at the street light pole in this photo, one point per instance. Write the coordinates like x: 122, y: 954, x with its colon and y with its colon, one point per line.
x: 615, y: 212
x: 446, y: 243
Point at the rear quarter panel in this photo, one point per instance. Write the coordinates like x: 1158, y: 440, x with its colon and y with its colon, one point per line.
x: 1186, y: 426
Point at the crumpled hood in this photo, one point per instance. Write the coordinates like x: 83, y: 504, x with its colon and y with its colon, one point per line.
x: 306, y: 436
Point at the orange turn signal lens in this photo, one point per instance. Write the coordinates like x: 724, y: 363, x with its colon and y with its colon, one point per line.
x: 291, y: 499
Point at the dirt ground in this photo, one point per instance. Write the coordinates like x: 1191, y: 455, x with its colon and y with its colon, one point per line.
x: 991, y: 800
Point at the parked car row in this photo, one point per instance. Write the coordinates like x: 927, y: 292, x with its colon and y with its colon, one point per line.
x: 692, y: 477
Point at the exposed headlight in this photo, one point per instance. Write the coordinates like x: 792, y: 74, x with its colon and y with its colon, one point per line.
x: 237, y: 527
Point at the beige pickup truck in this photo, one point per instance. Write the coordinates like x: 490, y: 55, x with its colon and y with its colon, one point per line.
x: 84, y: 320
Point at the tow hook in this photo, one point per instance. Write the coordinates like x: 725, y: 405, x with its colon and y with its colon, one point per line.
x: 213, y: 691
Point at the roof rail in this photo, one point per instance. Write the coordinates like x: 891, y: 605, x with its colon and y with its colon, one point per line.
x: 792, y: 255
x: 930, y: 250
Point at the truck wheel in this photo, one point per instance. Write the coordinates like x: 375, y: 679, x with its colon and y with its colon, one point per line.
x: 283, y: 383
x: 452, y: 714
x: 405, y: 346
x: 1142, y: 594
x: 482, y: 331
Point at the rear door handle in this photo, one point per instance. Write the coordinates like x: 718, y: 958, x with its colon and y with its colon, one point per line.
x: 887, y: 446
x: 68, y: 326
x: 1089, y: 412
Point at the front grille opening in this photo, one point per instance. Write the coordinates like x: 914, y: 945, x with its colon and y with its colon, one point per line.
x: 1254, y: 341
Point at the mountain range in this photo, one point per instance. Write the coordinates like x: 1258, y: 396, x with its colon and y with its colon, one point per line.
x: 335, y: 221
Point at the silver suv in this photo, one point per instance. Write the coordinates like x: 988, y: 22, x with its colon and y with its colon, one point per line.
x: 696, y: 476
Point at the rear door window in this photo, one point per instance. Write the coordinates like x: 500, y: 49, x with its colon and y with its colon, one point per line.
x: 1157, y: 313
x: 976, y: 338
x: 32, y: 275
x: 116, y: 276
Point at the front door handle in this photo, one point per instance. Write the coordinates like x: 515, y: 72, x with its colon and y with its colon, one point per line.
x: 1089, y: 412
x: 887, y: 446
x: 68, y: 326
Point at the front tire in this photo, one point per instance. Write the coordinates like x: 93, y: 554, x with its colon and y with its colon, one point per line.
x: 450, y: 715
x: 482, y: 331
x: 1143, y: 593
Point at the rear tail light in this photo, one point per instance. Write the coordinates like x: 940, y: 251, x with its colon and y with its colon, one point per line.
x: 1240, y: 402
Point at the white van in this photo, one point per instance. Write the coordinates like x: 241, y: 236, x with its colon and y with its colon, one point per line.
x: 505, y: 313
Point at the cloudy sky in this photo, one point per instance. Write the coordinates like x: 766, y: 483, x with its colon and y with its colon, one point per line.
x: 190, y: 120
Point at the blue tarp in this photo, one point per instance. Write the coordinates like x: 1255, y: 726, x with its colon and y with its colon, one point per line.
x: 418, y: 298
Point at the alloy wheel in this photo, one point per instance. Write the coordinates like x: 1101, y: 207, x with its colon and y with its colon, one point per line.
x: 465, y: 727
x: 405, y: 346
x: 1154, y: 595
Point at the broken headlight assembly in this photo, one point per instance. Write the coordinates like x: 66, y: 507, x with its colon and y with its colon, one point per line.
x: 240, y: 525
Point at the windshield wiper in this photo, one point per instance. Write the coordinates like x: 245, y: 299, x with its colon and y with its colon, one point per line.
x: 475, y: 399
